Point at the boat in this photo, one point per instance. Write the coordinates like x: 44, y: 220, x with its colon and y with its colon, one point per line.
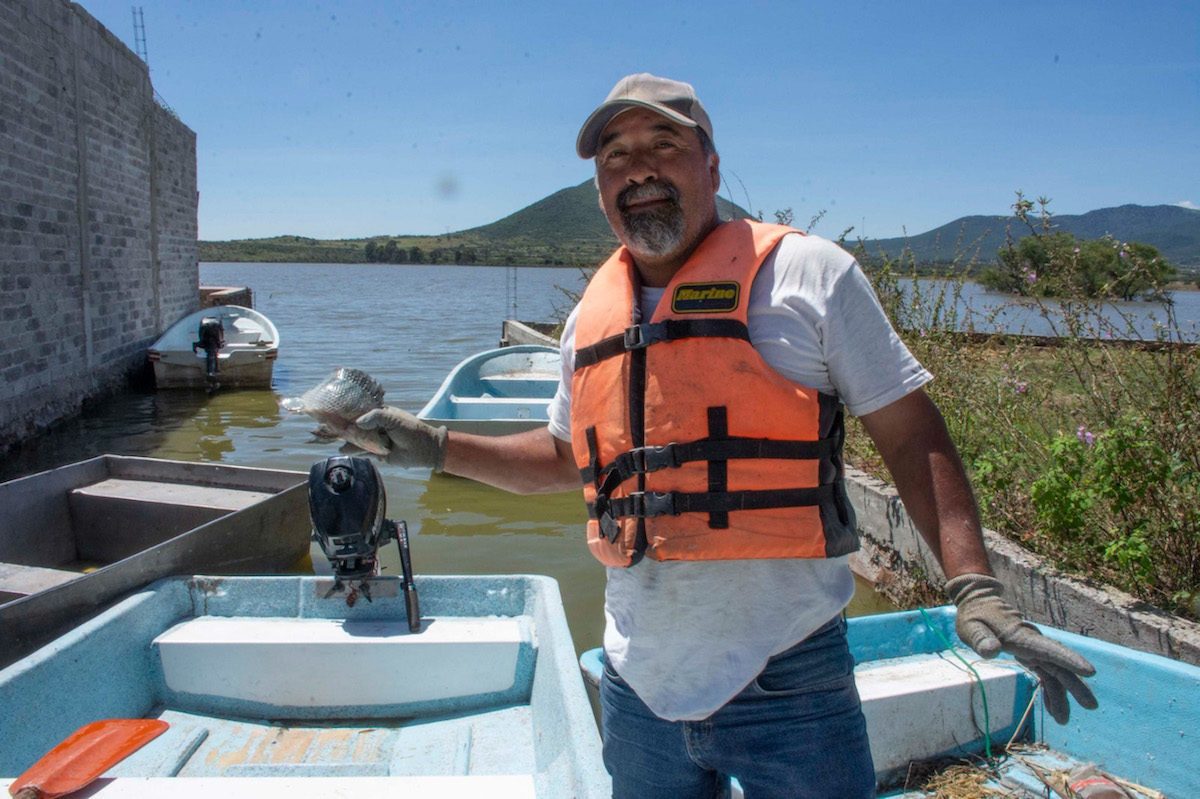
x: 274, y: 686
x: 225, y: 345
x: 75, y: 538
x: 924, y: 705
x: 498, y: 391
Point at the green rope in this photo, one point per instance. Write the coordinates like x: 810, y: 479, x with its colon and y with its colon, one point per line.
x: 987, y: 736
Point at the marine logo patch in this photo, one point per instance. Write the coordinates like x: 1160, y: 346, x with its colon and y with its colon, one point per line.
x: 705, y: 297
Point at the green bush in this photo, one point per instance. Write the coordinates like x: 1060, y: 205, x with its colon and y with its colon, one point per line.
x: 1085, y: 451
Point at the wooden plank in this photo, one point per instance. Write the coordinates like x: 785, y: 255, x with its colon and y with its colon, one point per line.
x: 173, y: 494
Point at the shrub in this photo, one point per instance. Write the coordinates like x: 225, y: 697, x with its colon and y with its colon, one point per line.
x: 1085, y: 451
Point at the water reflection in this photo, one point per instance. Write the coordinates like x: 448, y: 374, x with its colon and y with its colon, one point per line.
x: 455, y: 506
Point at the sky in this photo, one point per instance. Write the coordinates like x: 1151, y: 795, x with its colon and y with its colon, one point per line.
x: 354, y: 119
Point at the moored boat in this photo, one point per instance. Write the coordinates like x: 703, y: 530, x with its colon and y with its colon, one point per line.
x: 75, y: 538
x: 226, y: 345
x: 278, y: 686
x: 504, y: 390
x: 929, y: 699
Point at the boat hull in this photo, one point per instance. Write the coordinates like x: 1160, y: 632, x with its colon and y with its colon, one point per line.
x: 248, y: 370
x: 923, y: 705
x: 75, y: 538
x: 245, y: 360
x: 496, y: 392
x: 486, y: 700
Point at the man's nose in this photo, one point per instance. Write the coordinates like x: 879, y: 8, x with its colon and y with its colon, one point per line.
x: 642, y: 168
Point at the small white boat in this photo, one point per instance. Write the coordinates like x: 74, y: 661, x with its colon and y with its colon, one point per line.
x: 924, y: 705
x: 273, y: 687
x: 505, y: 390
x: 226, y: 345
x: 75, y: 538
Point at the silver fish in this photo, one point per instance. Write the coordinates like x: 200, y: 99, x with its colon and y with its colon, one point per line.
x: 336, y: 402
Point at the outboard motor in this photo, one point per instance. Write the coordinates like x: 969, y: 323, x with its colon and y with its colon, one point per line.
x: 211, y: 337
x: 346, y: 502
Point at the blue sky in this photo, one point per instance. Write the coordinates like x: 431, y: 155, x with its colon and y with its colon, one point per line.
x: 350, y: 119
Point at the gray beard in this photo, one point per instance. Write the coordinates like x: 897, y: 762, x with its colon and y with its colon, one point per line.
x: 658, y: 232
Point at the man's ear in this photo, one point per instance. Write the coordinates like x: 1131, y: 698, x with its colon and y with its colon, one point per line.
x: 714, y: 172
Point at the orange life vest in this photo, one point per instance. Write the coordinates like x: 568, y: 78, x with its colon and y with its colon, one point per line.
x: 690, y: 446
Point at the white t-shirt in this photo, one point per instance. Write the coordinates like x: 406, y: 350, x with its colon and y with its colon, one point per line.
x: 689, y: 635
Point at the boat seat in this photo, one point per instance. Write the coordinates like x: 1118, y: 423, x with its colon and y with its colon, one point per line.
x: 924, y: 706
x: 488, y: 399
x: 116, y: 518
x: 517, y: 386
x: 200, y: 496
x: 493, y: 408
x: 18, y: 580
x: 308, y: 665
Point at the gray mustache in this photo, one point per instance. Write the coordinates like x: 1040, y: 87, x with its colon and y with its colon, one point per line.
x: 656, y: 190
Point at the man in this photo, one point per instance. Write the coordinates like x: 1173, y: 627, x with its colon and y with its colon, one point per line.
x: 705, y: 370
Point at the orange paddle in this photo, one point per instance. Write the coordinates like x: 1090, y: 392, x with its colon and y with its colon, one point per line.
x: 86, y: 754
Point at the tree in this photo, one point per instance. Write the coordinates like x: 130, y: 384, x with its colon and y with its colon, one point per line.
x: 1058, y: 265
x: 388, y: 252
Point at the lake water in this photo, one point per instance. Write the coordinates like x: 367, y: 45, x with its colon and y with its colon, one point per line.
x: 990, y: 312
x: 408, y: 326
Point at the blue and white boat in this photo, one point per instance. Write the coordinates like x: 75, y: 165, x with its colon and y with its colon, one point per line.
x: 505, y: 390
x: 278, y: 686
x: 927, y: 698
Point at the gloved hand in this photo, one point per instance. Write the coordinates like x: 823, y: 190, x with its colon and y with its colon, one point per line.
x: 990, y: 625
x: 413, y: 442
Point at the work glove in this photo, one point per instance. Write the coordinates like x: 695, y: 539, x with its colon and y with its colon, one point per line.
x: 990, y: 625
x: 411, y: 442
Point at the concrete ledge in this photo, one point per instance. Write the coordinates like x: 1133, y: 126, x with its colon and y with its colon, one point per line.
x: 896, y: 559
x: 513, y: 332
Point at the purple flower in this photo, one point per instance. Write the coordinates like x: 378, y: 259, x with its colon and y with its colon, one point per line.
x: 1076, y: 249
x: 1084, y: 435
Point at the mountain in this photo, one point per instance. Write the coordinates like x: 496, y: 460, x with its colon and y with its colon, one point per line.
x: 1174, y: 230
x: 566, y: 228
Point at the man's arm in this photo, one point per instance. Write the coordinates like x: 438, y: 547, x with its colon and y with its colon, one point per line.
x: 911, y: 436
x: 533, y: 462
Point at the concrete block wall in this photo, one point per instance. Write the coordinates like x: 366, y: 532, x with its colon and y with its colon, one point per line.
x: 97, y: 214
x: 896, y: 559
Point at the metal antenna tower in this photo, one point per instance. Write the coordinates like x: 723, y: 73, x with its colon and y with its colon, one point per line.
x: 510, y: 291
x: 139, y: 34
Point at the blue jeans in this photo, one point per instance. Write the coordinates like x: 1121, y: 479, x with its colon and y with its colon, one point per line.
x: 796, y: 731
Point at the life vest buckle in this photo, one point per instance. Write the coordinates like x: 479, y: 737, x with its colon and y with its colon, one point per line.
x: 641, y: 336
x: 651, y: 459
x: 647, y: 504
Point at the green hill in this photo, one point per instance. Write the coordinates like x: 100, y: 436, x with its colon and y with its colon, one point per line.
x: 1174, y: 230
x: 565, y: 229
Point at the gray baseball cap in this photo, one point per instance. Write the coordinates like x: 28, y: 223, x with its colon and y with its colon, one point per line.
x: 673, y: 99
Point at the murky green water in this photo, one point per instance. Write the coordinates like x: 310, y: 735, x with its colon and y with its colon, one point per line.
x: 407, y: 326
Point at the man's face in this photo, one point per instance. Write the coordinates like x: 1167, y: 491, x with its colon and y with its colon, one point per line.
x: 656, y: 184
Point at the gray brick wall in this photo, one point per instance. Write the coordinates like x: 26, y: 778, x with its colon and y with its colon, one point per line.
x: 97, y: 214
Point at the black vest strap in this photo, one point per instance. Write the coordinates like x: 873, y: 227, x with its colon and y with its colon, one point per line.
x: 647, y: 504
x: 642, y: 460
x: 638, y: 337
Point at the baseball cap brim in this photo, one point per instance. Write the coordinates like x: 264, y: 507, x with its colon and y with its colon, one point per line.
x: 588, y: 141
